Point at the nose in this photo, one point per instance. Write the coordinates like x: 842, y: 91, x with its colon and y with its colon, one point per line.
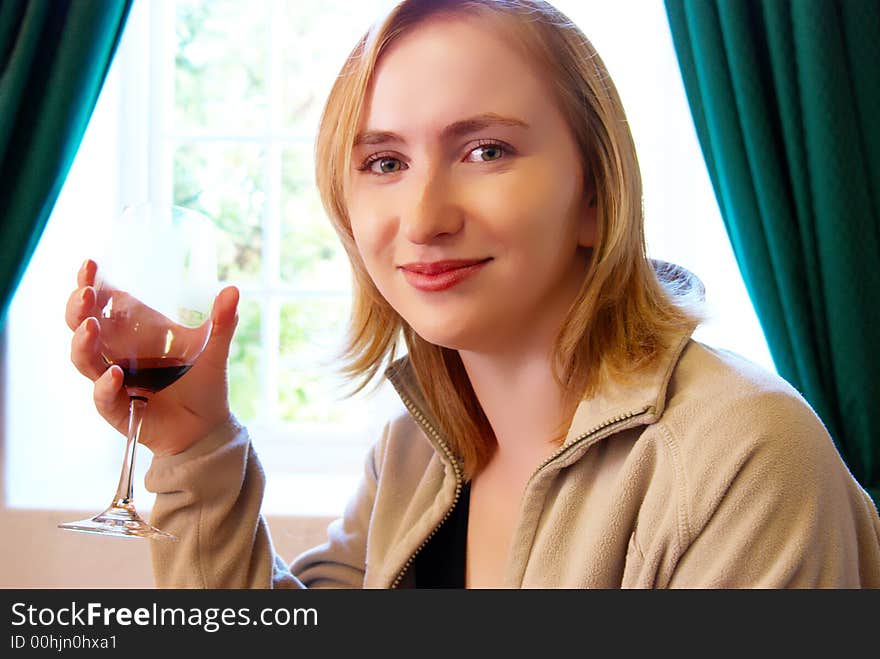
x: 432, y: 212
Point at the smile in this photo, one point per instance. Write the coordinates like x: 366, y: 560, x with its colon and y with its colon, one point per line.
x: 440, y: 276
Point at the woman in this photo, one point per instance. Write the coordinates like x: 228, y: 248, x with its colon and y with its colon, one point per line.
x: 563, y: 430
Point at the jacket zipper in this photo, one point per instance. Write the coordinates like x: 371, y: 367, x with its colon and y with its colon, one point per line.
x: 414, y: 411
x: 455, y: 467
x: 580, y: 438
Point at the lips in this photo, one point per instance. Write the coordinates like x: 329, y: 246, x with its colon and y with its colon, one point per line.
x: 441, y: 275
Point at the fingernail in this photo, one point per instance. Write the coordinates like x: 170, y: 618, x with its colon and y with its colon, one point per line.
x: 117, y: 375
x: 85, y: 265
x: 86, y: 326
x: 82, y: 296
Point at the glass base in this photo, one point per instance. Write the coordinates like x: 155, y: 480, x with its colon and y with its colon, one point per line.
x: 119, y: 521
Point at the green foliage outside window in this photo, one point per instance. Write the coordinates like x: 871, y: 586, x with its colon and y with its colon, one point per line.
x: 311, y: 332
x: 220, y: 66
x: 244, y: 361
x: 227, y: 183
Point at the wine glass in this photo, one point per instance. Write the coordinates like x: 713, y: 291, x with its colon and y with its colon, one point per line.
x: 155, y: 288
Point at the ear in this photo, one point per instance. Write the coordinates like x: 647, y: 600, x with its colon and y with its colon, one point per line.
x: 589, y: 216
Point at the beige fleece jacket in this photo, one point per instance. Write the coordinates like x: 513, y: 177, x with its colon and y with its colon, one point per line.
x: 708, y: 473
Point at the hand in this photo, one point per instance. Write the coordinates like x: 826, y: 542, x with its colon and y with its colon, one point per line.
x: 177, y: 416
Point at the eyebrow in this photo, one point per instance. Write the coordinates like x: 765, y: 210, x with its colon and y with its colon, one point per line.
x: 456, y: 129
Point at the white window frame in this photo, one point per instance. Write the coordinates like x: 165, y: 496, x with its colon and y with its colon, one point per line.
x: 312, y: 467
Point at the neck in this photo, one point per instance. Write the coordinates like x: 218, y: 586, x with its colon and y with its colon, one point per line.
x: 522, y: 401
x: 513, y: 379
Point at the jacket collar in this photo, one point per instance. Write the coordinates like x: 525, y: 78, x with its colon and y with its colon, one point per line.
x: 642, y: 398
x: 402, y: 376
x: 644, y: 395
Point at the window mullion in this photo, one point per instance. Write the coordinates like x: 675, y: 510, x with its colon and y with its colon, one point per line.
x: 135, y: 146
x: 271, y: 334
x: 161, y: 81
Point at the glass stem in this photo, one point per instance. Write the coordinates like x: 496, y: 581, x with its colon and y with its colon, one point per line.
x: 124, y: 497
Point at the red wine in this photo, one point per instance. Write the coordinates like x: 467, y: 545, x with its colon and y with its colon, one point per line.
x: 151, y: 374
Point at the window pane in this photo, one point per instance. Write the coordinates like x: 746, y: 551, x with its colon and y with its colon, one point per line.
x: 311, y: 256
x: 226, y: 182
x: 311, y: 336
x: 244, y: 363
x: 324, y: 32
x: 220, y: 66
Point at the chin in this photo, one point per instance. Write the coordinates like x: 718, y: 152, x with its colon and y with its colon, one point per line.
x: 449, y: 326
x: 439, y: 335
x: 453, y: 338
x: 442, y: 339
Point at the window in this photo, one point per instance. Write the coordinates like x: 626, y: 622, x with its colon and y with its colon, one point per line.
x: 214, y: 104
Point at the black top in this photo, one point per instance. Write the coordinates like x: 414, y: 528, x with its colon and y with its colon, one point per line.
x: 440, y: 563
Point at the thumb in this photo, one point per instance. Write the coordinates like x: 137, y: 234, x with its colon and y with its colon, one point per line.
x: 225, y: 318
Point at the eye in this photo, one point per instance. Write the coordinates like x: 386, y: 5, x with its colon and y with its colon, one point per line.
x: 381, y: 164
x: 386, y: 166
x: 486, y: 152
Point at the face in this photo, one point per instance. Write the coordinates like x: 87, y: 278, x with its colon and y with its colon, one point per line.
x: 466, y: 194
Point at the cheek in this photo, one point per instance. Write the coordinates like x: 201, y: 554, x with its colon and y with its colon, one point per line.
x: 374, y: 231
x: 361, y: 236
x: 531, y: 207
x: 370, y: 226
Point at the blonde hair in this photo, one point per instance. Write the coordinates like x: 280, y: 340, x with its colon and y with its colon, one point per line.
x: 623, y: 315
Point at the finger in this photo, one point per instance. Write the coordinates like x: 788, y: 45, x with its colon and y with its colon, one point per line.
x: 86, y: 274
x: 225, y: 307
x: 80, y: 305
x: 111, y: 400
x: 84, y: 349
x: 225, y: 319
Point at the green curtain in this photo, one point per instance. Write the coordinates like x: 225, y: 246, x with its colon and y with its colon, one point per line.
x: 55, y: 55
x: 785, y: 96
